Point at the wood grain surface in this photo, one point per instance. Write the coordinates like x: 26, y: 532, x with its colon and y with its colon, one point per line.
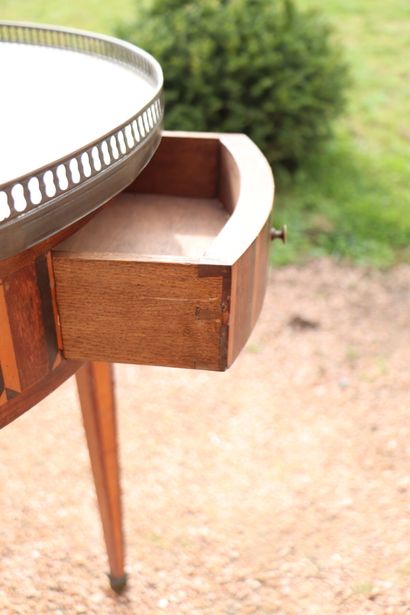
x: 185, y: 164
x: 28, y: 342
x: 137, y: 312
x: 173, y: 273
x: 96, y: 392
x: 151, y: 225
x: 31, y: 362
x: 249, y: 279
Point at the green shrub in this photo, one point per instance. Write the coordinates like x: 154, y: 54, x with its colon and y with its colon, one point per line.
x: 262, y: 67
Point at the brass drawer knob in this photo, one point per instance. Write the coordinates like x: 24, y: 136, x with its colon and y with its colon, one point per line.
x: 279, y: 233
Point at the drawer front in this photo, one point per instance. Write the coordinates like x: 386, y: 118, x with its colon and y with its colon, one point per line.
x: 148, y: 313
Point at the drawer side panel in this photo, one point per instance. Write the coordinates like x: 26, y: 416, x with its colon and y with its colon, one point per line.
x: 249, y: 279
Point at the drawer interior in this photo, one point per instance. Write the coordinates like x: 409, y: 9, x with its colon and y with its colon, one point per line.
x: 152, y: 225
x: 173, y: 270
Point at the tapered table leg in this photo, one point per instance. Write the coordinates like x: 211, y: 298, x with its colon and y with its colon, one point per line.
x: 96, y: 392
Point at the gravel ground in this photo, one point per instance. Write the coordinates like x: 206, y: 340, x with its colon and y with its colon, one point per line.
x: 281, y: 487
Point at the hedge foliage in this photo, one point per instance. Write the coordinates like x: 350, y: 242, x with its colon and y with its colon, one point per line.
x: 262, y: 67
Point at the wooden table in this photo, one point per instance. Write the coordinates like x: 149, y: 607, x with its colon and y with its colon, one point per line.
x: 170, y: 271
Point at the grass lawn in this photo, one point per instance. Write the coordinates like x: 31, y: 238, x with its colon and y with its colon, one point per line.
x: 96, y: 15
x: 353, y: 201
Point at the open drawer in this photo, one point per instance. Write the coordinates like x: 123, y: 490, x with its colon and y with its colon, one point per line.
x: 173, y: 270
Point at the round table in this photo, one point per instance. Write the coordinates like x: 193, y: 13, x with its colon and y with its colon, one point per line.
x: 173, y: 272
x: 81, y: 117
